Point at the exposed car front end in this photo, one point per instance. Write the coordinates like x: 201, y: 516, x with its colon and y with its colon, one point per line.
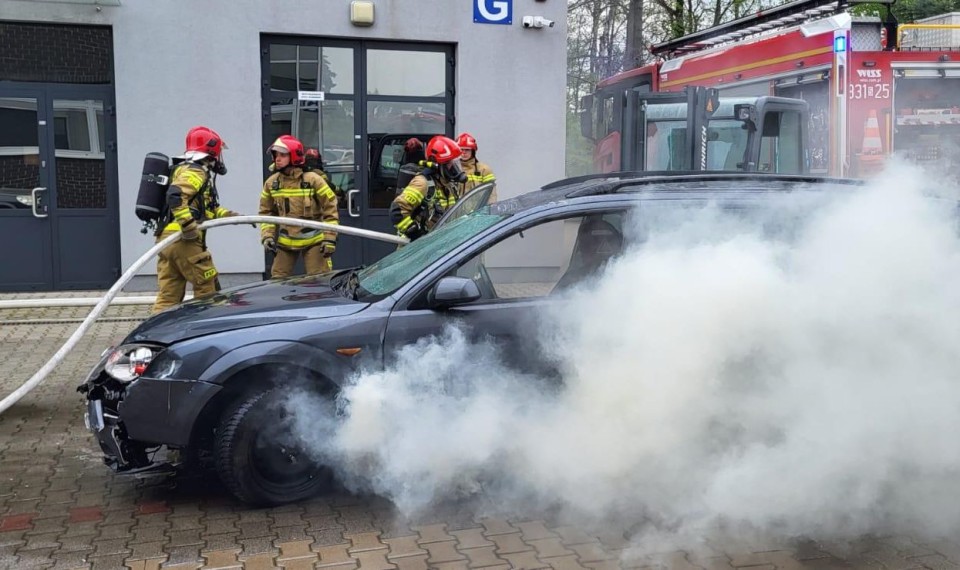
x: 135, y: 405
x: 149, y: 390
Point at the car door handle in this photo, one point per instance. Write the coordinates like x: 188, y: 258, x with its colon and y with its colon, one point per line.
x: 353, y: 213
x: 36, y: 202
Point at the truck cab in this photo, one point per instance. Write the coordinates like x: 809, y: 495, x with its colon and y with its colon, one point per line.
x: 697, y: 130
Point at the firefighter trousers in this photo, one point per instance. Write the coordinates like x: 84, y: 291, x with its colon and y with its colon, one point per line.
x: 180, y: 263
x: 313, y: 260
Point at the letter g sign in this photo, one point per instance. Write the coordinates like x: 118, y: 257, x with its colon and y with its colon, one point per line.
x: 493, y: 11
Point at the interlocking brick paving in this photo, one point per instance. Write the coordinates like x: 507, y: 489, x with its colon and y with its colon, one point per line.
x: 60, y: 507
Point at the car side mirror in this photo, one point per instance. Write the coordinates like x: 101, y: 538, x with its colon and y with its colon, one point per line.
x: 451, y: 291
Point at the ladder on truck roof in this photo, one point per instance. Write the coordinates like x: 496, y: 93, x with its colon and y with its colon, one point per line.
x: 789, y: 14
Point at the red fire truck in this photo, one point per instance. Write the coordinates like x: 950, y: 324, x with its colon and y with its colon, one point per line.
x: 873, y: 87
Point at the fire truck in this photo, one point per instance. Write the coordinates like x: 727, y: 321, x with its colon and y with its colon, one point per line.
x: 873, y: 87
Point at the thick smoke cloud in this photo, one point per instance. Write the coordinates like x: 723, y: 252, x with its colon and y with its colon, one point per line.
x: 792, y: 369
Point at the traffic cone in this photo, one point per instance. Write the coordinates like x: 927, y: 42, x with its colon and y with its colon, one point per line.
x: 871, y: 151
x: 872, y: 145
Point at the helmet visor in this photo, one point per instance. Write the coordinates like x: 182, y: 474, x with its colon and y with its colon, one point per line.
x: 453, y: 170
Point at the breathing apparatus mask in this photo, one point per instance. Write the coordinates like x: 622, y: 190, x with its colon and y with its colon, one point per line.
x: 453, y: 171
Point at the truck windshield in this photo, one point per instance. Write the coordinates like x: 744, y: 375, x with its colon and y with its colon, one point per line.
x: 388, y: 274
x: 667, y: 145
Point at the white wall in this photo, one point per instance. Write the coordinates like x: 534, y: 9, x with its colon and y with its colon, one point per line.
x: 180, y: 63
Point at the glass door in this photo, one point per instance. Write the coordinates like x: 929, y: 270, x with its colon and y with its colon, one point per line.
x: 312, y: 88
x: 26, y: 261
x: 408, y: 91
x: 85, y: 226
x: 350, y: 100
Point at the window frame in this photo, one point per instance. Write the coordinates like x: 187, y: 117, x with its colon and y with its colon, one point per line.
x: 413, y: 296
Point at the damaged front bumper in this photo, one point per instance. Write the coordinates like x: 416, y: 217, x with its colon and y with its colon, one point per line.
x: 120, y: 453
x: 133, y: 420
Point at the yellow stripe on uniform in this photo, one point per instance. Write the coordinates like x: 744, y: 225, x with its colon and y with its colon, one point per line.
x: 413, y: 194
x: 404, y: 224
x: 295, y: 242
x: 194, y: 179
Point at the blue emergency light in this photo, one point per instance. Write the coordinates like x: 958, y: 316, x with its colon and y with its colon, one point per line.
x: 840, y: 44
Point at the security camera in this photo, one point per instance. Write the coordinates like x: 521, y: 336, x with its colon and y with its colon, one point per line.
x: 537, y: 22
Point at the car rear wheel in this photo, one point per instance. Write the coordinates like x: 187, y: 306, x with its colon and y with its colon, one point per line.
x: 258, y: 457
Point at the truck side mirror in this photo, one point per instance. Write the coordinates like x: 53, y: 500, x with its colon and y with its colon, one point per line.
x: 586, y: 117
x: 747, y: 114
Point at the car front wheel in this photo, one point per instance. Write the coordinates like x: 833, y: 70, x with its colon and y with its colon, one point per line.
x: 258, y: 457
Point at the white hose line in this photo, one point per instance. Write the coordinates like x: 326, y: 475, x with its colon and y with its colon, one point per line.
x: 41, y: 374
x: 45, y: 302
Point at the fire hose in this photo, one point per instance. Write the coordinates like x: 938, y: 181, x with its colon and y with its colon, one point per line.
x: 57, y: 358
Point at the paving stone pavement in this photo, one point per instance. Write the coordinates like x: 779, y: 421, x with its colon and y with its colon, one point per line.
x: 60, y: 507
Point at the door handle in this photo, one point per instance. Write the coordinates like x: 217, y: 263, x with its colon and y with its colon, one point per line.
x: 350, y: 210
x: 36, y: 202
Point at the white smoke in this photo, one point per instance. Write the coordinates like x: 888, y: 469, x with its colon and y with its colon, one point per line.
x: 716, y: 374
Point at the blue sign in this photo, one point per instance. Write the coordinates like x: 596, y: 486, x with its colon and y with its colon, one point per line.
x: 493, y: 11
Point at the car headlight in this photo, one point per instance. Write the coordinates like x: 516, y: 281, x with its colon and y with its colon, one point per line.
x: 25, y: 200
x: 129, y: 362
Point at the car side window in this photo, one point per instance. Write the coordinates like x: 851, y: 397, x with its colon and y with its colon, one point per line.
x: 547, y: 258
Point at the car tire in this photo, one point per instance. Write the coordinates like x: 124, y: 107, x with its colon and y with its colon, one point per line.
x: 257, y: 457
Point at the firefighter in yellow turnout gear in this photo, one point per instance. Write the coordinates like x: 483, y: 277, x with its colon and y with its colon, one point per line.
x: 477, y: 172
x: 191, y: 199
x: 431, y: 192
x: 295, y: 193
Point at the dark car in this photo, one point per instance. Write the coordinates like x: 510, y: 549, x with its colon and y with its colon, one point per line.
x: 206, y: 378
x: 15, y: 199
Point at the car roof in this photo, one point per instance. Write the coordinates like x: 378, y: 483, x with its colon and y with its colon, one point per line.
x: 654, y: 185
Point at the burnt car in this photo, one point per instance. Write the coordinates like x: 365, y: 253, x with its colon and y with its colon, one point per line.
x: 206, y: 378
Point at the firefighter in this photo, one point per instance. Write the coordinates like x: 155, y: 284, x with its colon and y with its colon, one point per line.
x: 314, y: 162
x: 294, y: 192
x: 191, y: 199
x: 477, y: 172
x: 431, y: 192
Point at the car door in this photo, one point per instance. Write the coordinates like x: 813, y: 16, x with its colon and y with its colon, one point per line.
x: 478, y: 198
x: 519, y: 276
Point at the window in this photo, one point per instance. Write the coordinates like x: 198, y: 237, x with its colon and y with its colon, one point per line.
x: 726, y: 144
x: 607, y: 122
x: 390, y: 159
x: 781, y: 143
x: 548, y: 258
x: 406, y: 73
x: 78, y: 128
x: 406, y: 117
x: 311, y: 68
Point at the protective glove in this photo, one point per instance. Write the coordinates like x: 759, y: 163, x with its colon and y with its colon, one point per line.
x: 414, y: 231
x: 328, y: 247
x: 269, y: 244
x: 190, y: 232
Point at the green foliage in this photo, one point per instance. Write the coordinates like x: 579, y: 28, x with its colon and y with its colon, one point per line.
x: 908, y: 11
x: 579, y: 158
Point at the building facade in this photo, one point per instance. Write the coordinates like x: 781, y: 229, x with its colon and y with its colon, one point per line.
x: 89, y: 87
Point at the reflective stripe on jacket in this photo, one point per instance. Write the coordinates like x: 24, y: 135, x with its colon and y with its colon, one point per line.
x: 189, y: 180
x: 422, y: 201
x: 298, y: 194
x: 478, y: 173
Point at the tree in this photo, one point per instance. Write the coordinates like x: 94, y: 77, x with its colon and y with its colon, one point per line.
x: 907, y: 11
x: 634, y: 51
